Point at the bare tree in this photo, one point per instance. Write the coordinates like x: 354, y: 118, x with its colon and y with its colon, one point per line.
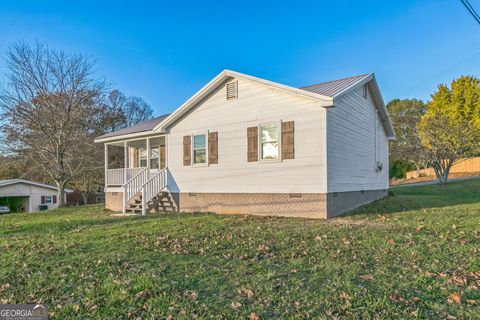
x: 129, y: 110
x: 51, y: 110
x: 92, y: 177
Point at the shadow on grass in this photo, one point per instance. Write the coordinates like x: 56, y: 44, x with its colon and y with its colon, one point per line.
x: 403, y: 199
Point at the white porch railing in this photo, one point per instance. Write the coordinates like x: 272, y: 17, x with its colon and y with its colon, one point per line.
x: 152, y: 188
x: 134, y: 185
x: 115, y: 177
x: 132, y: 172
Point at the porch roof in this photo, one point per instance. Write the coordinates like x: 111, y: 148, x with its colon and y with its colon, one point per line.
x: 144, y: 126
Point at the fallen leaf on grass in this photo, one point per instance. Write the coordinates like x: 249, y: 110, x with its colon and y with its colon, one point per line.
x: 248, y: 293
x: 344, y: 296
x: 457, y: 280
x: 262, y: 248
x: 455, y: 298
x: 318, y: 237
x: 143, y: 294
x: 395, y: 296
x: 5, y: 286
x: 235, y: 305
x: 253, y: 316
x: 367, y: 277
x: 191, y: 294
x: 472, y: 302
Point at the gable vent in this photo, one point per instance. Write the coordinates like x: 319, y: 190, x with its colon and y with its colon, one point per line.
x: 232, y: 90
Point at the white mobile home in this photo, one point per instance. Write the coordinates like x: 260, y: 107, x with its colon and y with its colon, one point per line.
x: 251, y: 146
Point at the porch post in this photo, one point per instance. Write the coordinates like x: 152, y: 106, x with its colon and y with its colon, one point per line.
x: 106, y: 165
x: 148, y: 155
x: 125, y: 158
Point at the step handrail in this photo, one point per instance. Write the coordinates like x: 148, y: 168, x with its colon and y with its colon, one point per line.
x: 134, y: 186
x: 152, y: 188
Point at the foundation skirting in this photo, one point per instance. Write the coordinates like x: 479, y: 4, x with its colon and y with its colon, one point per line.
x: 113, y: 201
x: 303, y: 205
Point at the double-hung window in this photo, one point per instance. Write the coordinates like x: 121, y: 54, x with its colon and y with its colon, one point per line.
x: 143, y: 158
x: 269, y: 141
x: 48, y: 199
x: 199, y: 148
x: 155, y: 158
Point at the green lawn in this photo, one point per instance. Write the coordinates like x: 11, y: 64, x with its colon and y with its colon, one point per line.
x: 413, y: 255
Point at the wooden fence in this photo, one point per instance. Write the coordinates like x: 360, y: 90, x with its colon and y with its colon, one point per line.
x: 461, y: 166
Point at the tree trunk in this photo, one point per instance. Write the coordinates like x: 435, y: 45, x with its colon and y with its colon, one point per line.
x: 85, y: 198
x: 442, y: 170
x: 61, y: 195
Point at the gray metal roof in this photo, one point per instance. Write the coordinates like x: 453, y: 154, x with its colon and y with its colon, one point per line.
x: 332, y: 88
x: 139, y: 127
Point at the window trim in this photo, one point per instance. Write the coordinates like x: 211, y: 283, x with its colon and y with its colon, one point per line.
x: 140, y: 158
x: 279, y: 141
x: 153, y: 158
x: 149, y: 165
x: 365, y: 91
x: 47, y: 201
x: 192, y: 149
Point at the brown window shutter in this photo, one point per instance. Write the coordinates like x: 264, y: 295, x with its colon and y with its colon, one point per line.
x: 252, y: 140
x: 288, y: 140
x: 213, y: 147
x: 187, y: 150
x: 136, y: 158
x: 163, y: 154
x: 54, y: 199
x: 43, y: 200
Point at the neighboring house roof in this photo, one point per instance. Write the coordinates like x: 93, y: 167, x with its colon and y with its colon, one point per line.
x: 140, y: 127
x: 325, y: 93
x: 332, y: 88
x: 33, y: 183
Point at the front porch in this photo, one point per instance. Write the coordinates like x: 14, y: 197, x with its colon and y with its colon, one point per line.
x: 135, y: 174
x: 126, y: 159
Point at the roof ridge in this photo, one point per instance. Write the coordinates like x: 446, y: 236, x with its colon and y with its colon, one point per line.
x: 341, y: 79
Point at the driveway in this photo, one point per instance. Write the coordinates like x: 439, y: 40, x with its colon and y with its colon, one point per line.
x: 431, y: 182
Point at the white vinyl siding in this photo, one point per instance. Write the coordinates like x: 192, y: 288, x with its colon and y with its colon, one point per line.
x: 256, y: 104
x: 356, y: 142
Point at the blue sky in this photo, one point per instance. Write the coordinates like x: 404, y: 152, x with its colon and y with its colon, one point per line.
x: 165, y: 51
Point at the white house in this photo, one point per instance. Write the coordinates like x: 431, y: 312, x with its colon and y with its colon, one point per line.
x: 250, y: 146
x: 27, y: 196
